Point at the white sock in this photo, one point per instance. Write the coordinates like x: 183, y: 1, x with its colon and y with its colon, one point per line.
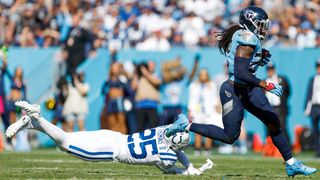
x: 188, y: 127
x: 290, y: 161
x: 54, y: 132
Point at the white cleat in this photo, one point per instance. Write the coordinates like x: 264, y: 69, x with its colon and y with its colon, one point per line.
x: 22, y: 123
x: 32, y: 110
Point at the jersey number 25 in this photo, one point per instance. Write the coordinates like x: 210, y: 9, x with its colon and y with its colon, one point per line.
x: 146, y: 140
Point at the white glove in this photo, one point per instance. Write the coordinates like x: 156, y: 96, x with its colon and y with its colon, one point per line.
x: 206, y: 166
x: 193, y: 171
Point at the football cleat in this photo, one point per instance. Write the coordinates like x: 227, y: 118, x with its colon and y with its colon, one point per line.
x: 32, y: 110
x: 299, y: 168
x: 20, y: 124
x: 178, y: 126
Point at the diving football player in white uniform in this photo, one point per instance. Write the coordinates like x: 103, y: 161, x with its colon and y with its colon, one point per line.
x: 148, y: 147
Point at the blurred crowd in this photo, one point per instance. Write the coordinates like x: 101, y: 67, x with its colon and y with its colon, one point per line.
x: 133, y: 93
x: 150, y: 24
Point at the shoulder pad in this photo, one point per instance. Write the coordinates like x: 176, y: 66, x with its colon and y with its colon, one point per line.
x: 246, y: 37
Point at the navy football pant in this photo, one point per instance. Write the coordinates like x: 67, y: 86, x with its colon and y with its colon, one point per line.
x: 234, y: 100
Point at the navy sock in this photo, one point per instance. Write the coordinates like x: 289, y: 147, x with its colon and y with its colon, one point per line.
x: 210, y: 131
x: 280, y: 141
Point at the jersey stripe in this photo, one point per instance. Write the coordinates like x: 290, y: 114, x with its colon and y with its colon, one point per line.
x: 89, y: 158
x: 89, y: 153
x: 168, y: 159
x: 168, y: 154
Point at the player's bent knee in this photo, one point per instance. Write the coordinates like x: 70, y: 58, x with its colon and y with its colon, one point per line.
x: 274, y: 127
x: 275, y: 131
x: 232, y: 138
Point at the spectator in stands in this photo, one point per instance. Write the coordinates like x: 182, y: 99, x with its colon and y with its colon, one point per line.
x: 192, y: 29
x: 117, y: 39
x: 27, y: 38
x: 147, y: 96
x: 156, y: 42
x: 60, y: 98
x: 177, y: 40
x: 148, y: 20
x: 135, y: 35
x: 307, y: 36
x: 203, y: 107
x: 312, y: 105
x: 167, y: 23
x: 129, y: 103
x: 174, y: 81
x: 75, y: 107
x: 279, y: 104
x: 111, y: 18
x: 50, y: 38
x: 18, y: 91
x: 114, y: 91
x: 36, y: 17
x: 129, y: 12
x: 206, y: 9
x: 76, y: 43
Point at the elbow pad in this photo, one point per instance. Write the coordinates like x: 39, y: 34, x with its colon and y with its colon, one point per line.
x: 242, y: 72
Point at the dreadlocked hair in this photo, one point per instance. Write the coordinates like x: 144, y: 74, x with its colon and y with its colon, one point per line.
x: 225, y: 37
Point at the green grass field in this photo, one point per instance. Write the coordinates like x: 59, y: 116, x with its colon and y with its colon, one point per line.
x: 52, y: 164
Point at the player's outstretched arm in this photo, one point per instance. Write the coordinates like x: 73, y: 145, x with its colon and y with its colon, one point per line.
x: 190, y: 170
x: 184, y: 160
x: 182, y: 171
x: 188, y: 167
x: 187, y: 171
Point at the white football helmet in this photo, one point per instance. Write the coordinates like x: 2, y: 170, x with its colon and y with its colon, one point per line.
x: 178, y: 141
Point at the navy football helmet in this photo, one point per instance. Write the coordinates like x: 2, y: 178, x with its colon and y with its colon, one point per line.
x: 255, y: 20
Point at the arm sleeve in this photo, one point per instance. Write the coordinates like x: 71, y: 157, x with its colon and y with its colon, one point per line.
x: 171, y: 170
x: 183, y: 159
x: 241, y: 71
x: 175, y: 170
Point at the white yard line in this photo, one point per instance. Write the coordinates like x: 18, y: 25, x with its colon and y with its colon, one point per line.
x: 52, y: 161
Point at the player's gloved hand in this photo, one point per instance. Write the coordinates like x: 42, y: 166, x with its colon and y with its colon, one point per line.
x: 265, y: 57
x: 193, y: 171
x: 208, y: 165
x: 274, y: 88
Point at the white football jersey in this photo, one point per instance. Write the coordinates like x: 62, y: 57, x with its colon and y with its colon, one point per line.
x: 147, y: 147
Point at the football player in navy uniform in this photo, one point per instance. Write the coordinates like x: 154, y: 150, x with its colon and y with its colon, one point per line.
x: 241, y: 44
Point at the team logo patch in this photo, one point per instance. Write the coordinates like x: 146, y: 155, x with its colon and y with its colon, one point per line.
x: 248, y: 14
x: 228, y: 94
